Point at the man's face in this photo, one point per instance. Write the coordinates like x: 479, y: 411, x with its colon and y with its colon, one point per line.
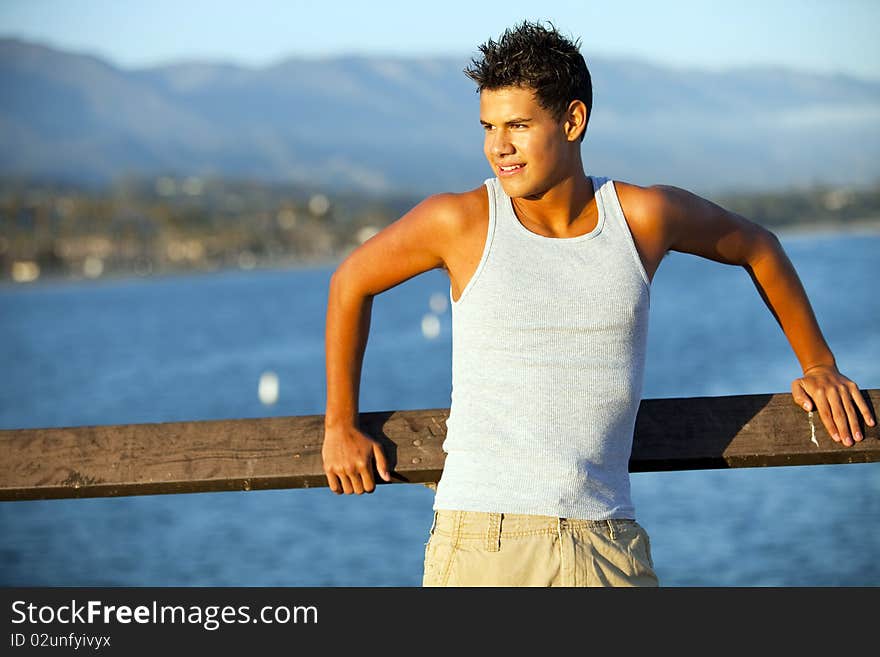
x: 525, y: 146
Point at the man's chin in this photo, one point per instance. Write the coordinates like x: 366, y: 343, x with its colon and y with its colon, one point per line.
x: 514, y: 190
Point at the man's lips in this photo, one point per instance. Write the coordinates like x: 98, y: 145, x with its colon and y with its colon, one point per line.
x: 510, y: 169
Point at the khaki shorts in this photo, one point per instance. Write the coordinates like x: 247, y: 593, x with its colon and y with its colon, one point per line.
x: 470, y: 548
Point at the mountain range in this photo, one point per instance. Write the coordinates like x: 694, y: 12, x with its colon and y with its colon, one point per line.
x: 391, y: 124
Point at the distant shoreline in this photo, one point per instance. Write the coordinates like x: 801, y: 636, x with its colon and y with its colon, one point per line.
x: 869, y: 227
x: 117, y: 277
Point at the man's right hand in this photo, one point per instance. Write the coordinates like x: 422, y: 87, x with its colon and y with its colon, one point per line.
x: 348, y: 456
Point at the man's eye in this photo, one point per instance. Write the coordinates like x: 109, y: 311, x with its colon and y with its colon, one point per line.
x: 517, y: 125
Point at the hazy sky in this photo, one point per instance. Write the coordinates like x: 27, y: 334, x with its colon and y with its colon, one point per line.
x: 822, y: 35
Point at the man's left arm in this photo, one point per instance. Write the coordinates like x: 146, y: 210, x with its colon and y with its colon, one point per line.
x: 691, y: 224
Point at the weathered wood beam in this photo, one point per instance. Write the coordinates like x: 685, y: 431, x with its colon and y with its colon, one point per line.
x: 285, y: 452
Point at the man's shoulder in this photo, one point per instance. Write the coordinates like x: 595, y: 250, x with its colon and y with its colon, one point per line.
x: 650, y: 213
x: 459, y: 206
x: 640, y: 203
x: 455, y: 214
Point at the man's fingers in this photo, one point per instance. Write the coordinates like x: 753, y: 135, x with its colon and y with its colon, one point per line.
x: 333, y: 483
x: 800, y: 395
x: 848, y: 419
x: 826, y: 416
x: 368, y: 484
x: 351, y: 467
x: 844, y: 416
x: 863, y: 405
x: 852, y: 417
x: 346, y: 484
x: 841, y: 423
x: 839, y: 403
x: 356, y: 484
x: 381, y: 462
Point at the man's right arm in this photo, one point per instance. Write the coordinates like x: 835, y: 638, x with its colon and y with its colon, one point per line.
x: 415, y: 243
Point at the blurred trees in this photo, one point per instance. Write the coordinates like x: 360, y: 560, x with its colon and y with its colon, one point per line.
x: 149, y: 226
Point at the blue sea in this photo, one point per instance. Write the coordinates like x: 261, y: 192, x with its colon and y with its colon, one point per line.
x: 194, y: 347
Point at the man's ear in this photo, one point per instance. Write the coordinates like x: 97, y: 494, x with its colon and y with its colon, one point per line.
x: 576, y: 120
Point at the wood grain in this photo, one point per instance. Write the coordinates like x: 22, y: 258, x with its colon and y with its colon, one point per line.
x: 285, y: 452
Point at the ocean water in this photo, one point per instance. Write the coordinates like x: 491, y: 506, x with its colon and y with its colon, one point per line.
x: 194, y: 347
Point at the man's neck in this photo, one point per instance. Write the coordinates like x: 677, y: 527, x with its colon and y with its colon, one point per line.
x: 567, y: 202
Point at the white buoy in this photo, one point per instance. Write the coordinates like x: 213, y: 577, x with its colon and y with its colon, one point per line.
x: 438, y: 303
x: 430, y: 326
x: 268, y: 388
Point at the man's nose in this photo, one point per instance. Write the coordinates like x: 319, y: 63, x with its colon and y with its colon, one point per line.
x: 500, y: 143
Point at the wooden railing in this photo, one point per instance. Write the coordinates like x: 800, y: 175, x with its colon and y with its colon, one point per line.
x: 285, y: 452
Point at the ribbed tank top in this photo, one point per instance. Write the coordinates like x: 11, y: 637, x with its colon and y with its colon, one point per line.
x: 548, y: 350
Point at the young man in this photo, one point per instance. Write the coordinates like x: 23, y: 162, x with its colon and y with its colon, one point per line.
x: 550, y: 272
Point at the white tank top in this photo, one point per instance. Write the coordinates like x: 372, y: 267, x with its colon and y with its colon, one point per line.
x: 548, y: 350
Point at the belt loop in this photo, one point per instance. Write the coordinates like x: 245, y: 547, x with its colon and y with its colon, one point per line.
x: 493, y: 533
x: 456, y: 529
x: 611, y: 533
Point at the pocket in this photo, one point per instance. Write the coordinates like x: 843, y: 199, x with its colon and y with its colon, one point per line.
x: 647, y: 545
x: 438, y: 558
x: 639, y: 548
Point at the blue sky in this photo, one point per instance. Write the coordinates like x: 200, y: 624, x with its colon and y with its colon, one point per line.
x: 801, y: 34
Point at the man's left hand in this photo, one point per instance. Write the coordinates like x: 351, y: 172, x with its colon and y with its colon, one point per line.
x: 838, y: 400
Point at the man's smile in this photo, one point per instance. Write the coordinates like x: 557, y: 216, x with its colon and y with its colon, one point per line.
x: 510, y: 169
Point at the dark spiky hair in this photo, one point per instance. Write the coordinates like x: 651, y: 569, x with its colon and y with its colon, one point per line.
x: 532, y: 56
